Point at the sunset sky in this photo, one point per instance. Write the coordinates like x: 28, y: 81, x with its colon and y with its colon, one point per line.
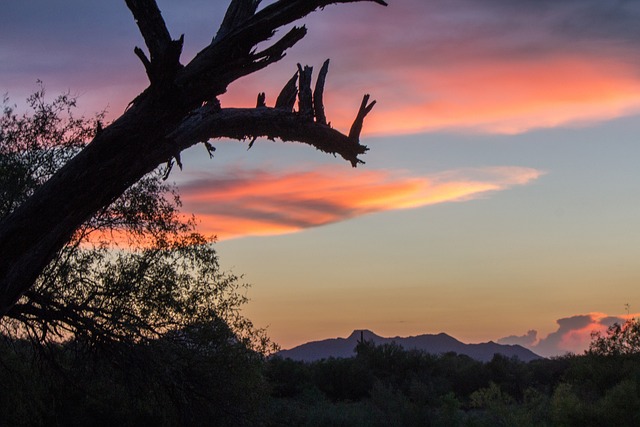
x: 500, y: 199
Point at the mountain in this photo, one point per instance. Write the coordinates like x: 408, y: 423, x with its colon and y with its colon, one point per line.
x: 435, y: 344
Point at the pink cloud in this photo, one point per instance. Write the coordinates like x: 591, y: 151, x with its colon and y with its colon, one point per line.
x: 259, y: 202
x: 487, y: 66
x: 468, y: 65
x: 574, y: 334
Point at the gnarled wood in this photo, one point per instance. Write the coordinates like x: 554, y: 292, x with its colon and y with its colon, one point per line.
x: 237, y: 12
x: 165, y: 52
x: 305, y: 98
x: 177, y: 110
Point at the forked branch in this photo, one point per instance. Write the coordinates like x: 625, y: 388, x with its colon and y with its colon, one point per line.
x: 281, y: 122
x: 248, y: 123
x: 164, y: 52
x: 365, y: 108
x: 237, y: 13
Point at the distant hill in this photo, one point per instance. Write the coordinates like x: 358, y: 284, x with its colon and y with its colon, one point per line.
x: 434, y: 344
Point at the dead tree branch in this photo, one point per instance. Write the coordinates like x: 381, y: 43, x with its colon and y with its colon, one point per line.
x: 318, y: 94
x: 305, y: 98
x: 365, y: 108
x: 177, y: 110
x: 164, y: 52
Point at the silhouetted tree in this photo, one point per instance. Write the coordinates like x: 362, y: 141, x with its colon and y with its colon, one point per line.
x: 179, y: 109
x: 133, y: 322
x: 618, y: 340
x: 168, y: 277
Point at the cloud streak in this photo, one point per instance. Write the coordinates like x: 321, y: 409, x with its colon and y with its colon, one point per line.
x: 481, y: 66
x: 260, y: 202
x: 474, y: 65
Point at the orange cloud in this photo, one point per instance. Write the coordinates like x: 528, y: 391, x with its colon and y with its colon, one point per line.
x: 472, y: 66
x: 258, y: 202
x: 498, y: 96
x: 513, y: 96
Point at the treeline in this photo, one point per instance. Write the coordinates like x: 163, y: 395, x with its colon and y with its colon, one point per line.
x: 202, y: 376
x: 388, y: 386
x: 205, y: 377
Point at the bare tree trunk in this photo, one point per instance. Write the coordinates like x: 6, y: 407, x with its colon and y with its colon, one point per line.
x: 179, y: 109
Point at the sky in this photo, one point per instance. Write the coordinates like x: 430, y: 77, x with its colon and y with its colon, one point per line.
x: 500, y: 196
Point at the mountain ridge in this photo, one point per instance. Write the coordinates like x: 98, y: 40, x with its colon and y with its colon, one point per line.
x: 430, y: 343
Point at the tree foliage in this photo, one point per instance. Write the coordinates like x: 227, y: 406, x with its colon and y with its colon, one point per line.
x: 619, y: 339
x: 35, y: 145
x: 386, y: 385
x: 133, y: 272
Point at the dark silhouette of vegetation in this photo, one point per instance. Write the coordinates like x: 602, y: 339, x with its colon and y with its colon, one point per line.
x: 200, y: 376
x: 163, y: 383
x: 133, y: 322
x: 388, y: 386
x: 179, y: 109
x: 619, y: 339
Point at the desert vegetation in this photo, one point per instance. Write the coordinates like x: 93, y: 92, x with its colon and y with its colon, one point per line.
x: 204, y: 376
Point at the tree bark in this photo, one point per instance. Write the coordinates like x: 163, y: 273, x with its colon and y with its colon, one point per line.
x: 177, y: 110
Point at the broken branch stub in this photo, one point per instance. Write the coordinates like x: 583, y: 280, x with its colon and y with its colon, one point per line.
x: 287, y: 97
x: 281, y: 121
x: 305, y: 98
x: 318, y: 94
x: 356, y: 127
x: 262, y: 100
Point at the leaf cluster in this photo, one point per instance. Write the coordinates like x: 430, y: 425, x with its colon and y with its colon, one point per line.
x: 33, y: 146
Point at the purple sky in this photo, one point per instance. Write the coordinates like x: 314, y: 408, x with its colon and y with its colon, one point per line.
x: 500, y: 193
